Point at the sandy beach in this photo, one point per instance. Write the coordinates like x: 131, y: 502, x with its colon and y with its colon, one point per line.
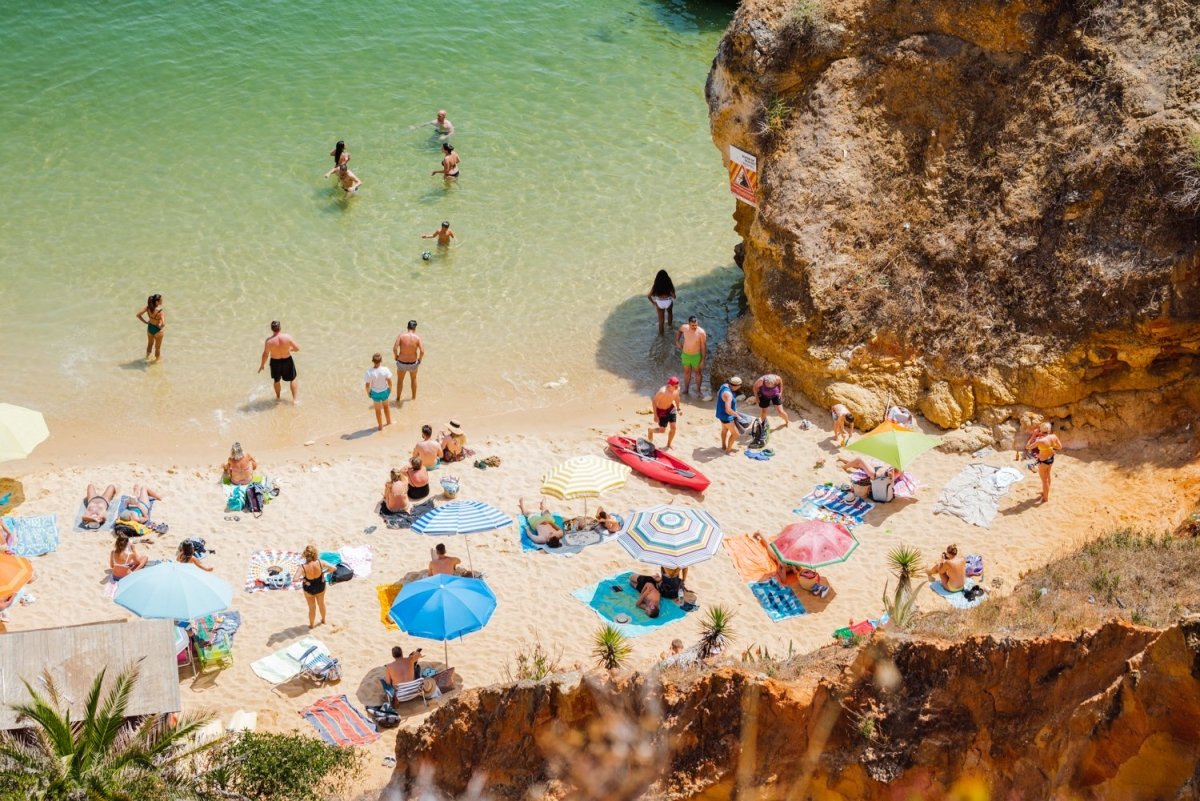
x: 329, y: 493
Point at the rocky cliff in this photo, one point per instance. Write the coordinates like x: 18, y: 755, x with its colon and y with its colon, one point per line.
x: 972, y: 207
x: 1110, y: 714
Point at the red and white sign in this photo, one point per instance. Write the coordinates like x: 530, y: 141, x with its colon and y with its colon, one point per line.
x: 743, y: 175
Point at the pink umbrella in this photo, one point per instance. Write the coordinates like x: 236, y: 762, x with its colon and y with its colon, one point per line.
x: 814, y: 544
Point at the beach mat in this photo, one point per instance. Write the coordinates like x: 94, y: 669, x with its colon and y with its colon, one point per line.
x: 339, y: 723
x: 750, y: 557
x: 122, y: 505
x: 572, y: 543
x: 109, y: 521
x: 778, y: 601
x: 608, y: 604
x: 386, y: 593
x: 33, y: 536
x: 957, y: 599
x: 847, y: 508
x: 359, y: 559
x: 261, y: 563
x: 284, y: 664
x: 402, y: 520
x: 974, y: 494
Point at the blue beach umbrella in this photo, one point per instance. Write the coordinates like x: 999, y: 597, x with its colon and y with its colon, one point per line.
x: 443, y: 607
x: 173, y: 590
x: 462, y: 517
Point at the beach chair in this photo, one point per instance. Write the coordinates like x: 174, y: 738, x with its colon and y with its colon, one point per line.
x: 217, y: 655
x: 183, y: 651
x: 442, y: 680
x: 318, y: 667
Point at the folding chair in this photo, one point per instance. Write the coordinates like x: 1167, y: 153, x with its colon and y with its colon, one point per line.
x: 216, y: 655
x: 319, y: 667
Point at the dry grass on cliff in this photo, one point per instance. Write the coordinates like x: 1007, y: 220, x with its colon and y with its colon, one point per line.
x: 1141, y: 577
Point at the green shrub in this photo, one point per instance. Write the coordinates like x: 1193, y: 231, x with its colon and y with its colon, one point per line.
x: 533, y: 662
x: 282, y: 767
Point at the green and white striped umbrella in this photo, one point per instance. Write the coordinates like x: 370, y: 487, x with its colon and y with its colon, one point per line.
x: 671, y: 536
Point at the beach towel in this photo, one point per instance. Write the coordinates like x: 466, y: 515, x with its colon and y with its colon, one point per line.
x: 284, y: 664
x: 811, y: 511
x: 778, y: 601
x: 122, y: 505
x: 387, y: 596
x: 109, y: 588
x: 33, y: 536
x: 607, y: 603
x: 831, y: 499
x: 523, y: 529
x: 262, y: 563
x: 864, y: 628
x: 974, y: 494
x: 957, y: 599
x: 339, y: 723
x: 573, y: 541
x: 750, y: 556
x: 404, y: 519
x: 209, y: 629
x: 108, y: 521
x: 358, y: 557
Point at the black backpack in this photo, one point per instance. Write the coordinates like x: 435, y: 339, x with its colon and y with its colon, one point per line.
x: 254, y: 499
x: 198, y: 547
x: 760, y: 434
x: 343, y: 572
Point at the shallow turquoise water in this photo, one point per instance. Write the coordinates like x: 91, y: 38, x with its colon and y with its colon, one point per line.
x: 180, y: 150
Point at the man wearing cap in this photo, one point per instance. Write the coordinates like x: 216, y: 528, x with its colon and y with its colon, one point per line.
x: 409, y: 351
x: 727, y: 412
x: 279, y: 348
x: 692, y: 341
x: 666, y: 410
x: 443, y: 235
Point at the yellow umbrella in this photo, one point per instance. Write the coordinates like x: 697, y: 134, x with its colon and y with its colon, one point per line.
x: 584, y: 477
x: 21, y: 430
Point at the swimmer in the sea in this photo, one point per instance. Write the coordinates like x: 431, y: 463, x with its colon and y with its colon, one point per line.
x: 443, y: 235
x: 340, y: 156
x: 443, y: 126
x: 349, y: 181
x: 449, y: 162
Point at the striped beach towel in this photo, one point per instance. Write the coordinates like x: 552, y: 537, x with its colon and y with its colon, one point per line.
x: 778, y: 601
x: 339, y: 723
x: 33, y: 536
x: 263, y: 563
x: 831, y: 499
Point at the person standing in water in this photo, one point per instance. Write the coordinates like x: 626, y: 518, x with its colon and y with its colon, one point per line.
x: 692, y: 341
x: 379, y: 389
x: 155, y: 320
x: 666, y: 411
x: 340, y: 156
x: 443, y: 126
x: 449, y: 162
x: 662, y: 295
x: 348, y: 180
x: 279, y: 348
x: 408, y: 351
x: 443, y: 235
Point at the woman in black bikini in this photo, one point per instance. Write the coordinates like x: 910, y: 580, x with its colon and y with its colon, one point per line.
x: 418, y: 480
x: 96, y: 504
x: 314, y: 571
x: 449, y: 162
x: 155, y: 321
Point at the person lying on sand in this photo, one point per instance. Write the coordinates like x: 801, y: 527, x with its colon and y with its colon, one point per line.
x: 96, y: 509
x: 649, y: 597
x: 542, y: 528
x: 124, y: 558
x: 871, y: 467
x: 602, y: 522
x: 138, y: 509
x: 395, y: 493
x: 951, y: 571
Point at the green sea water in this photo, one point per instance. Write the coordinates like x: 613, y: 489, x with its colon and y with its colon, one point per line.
x: 179, y: 149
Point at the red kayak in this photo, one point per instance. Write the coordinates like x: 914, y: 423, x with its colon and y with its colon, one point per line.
x: 655, y: 464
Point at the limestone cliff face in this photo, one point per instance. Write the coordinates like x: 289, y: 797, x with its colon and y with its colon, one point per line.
x: 972, y: 207
x: 1112, y: 714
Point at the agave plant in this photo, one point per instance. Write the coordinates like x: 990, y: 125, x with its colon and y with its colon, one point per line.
x: 905, y: 562
x: 715, y: 631
x: 105, y: 756
x: 902, y: 606
x: 610, y: 647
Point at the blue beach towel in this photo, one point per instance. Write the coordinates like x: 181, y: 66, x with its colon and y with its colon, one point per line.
x: 833, y: 500
x: 33, y: 536
x: 529, y: 545
x: 957, y: 599
x: 778, y: 601
x: 608, y: 604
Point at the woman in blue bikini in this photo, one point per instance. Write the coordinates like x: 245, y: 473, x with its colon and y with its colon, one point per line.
x: 155, y: 321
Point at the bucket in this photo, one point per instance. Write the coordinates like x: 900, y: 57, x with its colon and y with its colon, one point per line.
x: 450, y: 487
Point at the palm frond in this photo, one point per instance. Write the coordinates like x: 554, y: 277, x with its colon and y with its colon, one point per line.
x: 45, y: 712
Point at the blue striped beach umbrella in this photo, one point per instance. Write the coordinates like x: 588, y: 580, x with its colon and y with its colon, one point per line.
x: 671, y: 536
x: 462, y: 517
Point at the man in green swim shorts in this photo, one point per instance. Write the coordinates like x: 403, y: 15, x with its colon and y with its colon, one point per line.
x: 693, y: 342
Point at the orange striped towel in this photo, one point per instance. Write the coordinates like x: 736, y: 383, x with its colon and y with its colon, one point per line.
x: 750, y: 556
x: 387, y: 595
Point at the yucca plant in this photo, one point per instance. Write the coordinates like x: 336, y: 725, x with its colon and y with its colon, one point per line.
x: 905, y: 562
x: 104, y: 756
x: 715, y: 631
x: 610, y: 647
x: 902, y: 606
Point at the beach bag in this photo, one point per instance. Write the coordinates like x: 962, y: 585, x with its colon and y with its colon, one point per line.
x: 742, y: 422
x: 237, y: 499
x: 760, y: 434
x: 883, y: 488
x: 342, y: 572
x: 899, y: 415
x: 198, y: 547
x: 385, y: 717
x: 254, y: 499
x: 645, y: 447
x: 669, y: 586
x: 974, y: 565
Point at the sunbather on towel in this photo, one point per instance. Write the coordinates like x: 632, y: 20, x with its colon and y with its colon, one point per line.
x: 542, y: 528
x: 952, y: 570
x: 138, y: 507
x: 871, y: 467
x: 649, y: 597
x: 241, y: 466
x: 395, y: 493
x: 602, y: 522
x: 96, y: 505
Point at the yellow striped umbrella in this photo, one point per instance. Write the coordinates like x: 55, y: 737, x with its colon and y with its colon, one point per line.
x: 21, y: 430
x: 584, y: 477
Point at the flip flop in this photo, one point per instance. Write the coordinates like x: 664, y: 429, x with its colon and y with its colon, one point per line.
x: 234, y: 518
x: 369, y: 530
